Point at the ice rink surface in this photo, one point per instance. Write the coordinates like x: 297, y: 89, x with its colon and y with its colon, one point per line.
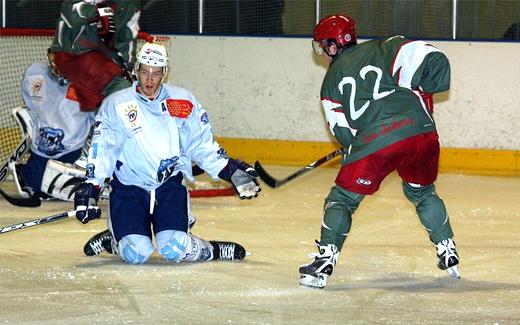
x: 386, y: 272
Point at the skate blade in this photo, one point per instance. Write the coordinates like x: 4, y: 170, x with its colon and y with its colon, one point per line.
x: 310, y: 281
x: 453, y: 272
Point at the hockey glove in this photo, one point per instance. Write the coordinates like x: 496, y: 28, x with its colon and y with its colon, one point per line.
x: 85, y: 202
x: 243, y: 178
x: 106, y: 26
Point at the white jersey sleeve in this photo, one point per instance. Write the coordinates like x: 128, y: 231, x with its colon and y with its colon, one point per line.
x: 58, y: 125
x: 198, y: 143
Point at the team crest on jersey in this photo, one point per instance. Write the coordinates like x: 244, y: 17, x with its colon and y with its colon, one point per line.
x: 166, y: 168
x: 37, y: 87
x: 50, y: 141
x: 180, y: 108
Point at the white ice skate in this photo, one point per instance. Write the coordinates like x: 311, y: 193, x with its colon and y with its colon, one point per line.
x: 315, y: 274
x: 448, y: 257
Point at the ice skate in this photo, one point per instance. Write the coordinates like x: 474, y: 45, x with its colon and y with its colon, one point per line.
x: 99, y: 243
x: 227, y: 251
x: 448, y: 257
x: 315, y: 274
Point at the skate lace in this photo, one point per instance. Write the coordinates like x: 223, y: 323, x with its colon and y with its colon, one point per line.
x: 97, y: 246
x: 227, y: 252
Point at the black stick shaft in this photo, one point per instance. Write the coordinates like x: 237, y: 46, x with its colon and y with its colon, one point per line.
x: 273, y: 182
x: 36, y: 222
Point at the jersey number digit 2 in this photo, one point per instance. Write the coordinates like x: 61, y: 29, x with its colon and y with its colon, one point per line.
x: 356, y: 113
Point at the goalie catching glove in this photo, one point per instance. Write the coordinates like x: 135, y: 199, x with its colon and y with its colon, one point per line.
x: 85, y: 202
x: 243, y: 178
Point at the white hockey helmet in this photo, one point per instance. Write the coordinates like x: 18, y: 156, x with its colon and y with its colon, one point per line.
x: 153, y: 54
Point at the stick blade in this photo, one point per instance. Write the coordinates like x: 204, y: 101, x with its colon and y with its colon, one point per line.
x: 31, y: 202
x: 265, y: 176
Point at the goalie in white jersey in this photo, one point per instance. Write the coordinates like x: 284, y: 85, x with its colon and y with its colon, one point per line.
x: 56, y: 126
x: 145, y: 139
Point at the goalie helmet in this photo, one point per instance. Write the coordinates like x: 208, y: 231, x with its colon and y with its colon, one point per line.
x: 340, y: 29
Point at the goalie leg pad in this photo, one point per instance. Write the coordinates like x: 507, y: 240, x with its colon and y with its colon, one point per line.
x: 60, y: 179
x: 135, y: 249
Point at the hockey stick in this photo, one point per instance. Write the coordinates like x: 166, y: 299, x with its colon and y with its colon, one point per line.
x: 274, y: 183
x: 18, y: 153
x: 20, y: 150
x: 39, y: 221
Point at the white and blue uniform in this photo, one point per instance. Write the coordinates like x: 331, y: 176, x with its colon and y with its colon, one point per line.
x: 146, y: 147
x: 144, y: 142
x: 59, y: 129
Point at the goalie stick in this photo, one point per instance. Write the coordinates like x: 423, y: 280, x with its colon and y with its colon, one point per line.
x: 30, y: 202
x: 274, y: 183
x: 18, y: 153
x: 36, y: 222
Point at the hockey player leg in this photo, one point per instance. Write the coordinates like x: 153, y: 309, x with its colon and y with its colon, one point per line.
x: 178, y: 246
x: 434, y: 217
x: 135, y: 249
x: 337, y: 219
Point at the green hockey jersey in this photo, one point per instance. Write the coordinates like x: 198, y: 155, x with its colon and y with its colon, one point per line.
x: 76, y: 30
x: 370, y: 93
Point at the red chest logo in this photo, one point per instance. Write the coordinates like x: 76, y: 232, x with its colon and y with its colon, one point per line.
x: 180, y: 108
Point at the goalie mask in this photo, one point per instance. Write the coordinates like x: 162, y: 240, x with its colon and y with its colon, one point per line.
x: 337, y: 29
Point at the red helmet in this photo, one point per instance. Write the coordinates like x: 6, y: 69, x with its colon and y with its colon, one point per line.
x: 339, y: 27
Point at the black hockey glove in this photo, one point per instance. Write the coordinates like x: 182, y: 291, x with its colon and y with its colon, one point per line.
x: 85, y: 202
x: 106, y: 26
x: 243, y: 178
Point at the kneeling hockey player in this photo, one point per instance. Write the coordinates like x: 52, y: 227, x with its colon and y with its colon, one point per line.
x: 145, y: 139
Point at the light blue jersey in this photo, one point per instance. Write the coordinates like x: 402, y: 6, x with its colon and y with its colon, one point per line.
x: 144, y: 142
x: 58, y: 125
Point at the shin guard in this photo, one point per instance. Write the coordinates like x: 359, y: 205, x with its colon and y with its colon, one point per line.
x: 431, y: 211
x: 339, y: 206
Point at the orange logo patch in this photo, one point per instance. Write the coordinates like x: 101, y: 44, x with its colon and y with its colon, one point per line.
x: 180, y: 108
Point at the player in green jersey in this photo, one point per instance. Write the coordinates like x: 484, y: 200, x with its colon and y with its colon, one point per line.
x: 94, y: 47
x: 375, y: 96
